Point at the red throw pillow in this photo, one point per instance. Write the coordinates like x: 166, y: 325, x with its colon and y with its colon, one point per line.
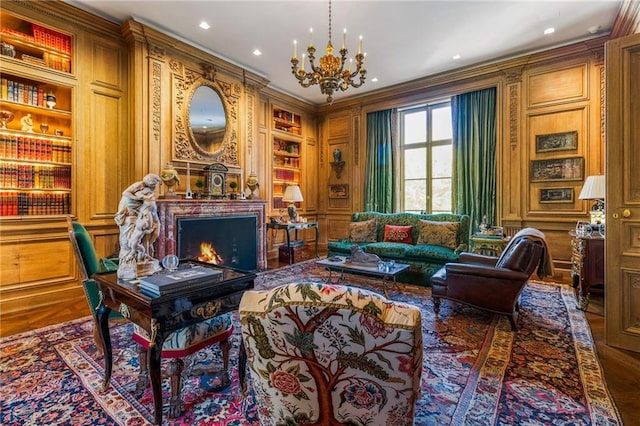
x: 398, y: 234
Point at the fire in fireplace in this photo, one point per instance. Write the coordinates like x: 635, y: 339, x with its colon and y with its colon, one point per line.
x: 221, y: 240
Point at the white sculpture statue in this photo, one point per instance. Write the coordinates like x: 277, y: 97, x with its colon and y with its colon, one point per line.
x: 139, y: 225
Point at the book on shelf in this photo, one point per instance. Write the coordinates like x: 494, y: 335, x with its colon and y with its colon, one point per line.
x: 171, y: 281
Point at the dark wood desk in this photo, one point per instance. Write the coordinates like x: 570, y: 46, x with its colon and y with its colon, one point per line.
x: 160, y: 316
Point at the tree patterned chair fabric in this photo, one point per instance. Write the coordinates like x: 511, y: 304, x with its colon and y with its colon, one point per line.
x: 330, y: 354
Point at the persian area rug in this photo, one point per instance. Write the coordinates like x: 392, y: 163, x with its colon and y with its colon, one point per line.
x: 476, y: 370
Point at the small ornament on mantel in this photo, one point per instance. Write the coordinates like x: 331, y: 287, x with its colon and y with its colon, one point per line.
x: 253, y: 185
x: 170, y: 177
x: 187, y: 193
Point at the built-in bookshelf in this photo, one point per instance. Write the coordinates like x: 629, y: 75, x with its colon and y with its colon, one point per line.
x: 35, y: 44
x: 35, y: 119
x: 287, y: 154
x: 286, y: 121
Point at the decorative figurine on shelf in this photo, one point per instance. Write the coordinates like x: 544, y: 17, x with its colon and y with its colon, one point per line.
x: 6, y: 117
x: 50, y: 100
x: 252, y: 184
x: 170, y: 177
x: 139, y: 225
x: 7, y: 49
x: 27, y: 123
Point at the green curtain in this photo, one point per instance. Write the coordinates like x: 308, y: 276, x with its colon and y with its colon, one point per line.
x: 474, y: 153
x: 379, y: 173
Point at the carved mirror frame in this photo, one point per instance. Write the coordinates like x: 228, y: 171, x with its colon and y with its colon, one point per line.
x: 186, y: 147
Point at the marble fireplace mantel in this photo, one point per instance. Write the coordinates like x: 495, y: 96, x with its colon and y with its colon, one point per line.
x: 170, y: 210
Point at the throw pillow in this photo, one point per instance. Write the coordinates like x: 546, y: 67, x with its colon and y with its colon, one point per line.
x: 363, y: 232
x: 444, y: 234
x: 398, y: 234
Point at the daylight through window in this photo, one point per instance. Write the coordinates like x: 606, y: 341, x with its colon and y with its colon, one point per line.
x: 427, y: 158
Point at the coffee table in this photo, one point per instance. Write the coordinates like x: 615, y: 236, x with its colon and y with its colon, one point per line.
x: 160, y: 316
x: 343, y: 265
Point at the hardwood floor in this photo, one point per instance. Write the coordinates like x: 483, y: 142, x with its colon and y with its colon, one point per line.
x: 621, y: 371
x: 621, y: 368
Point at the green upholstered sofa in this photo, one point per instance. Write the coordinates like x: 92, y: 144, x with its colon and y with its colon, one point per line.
x: 424, y: 258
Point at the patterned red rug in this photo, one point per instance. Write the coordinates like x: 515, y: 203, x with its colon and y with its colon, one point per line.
x: 476, y: 370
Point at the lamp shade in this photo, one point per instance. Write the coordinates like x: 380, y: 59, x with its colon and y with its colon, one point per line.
x: 292, y: 194
x: 593, y: 188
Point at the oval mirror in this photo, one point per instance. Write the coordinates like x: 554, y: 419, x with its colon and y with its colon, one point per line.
x: 207, y: 120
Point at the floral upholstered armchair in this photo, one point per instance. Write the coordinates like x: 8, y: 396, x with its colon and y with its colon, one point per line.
x: 328, y: 354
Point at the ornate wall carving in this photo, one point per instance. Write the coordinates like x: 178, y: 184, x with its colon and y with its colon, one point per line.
x: 184, y: 82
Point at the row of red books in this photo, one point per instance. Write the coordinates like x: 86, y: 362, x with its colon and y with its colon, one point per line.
x: 32, y: 204
x: 34, y: 149
x: 44, y: 37
x: 38, y: 177
x: 283, y: 174
x: 52, y: 39
x: 57, y: 62
x: 279, y: 204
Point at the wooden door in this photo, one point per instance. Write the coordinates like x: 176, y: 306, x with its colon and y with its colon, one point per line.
x: 622, y: 246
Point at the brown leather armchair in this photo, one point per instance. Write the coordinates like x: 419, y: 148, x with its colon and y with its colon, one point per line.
x: 490, y: 283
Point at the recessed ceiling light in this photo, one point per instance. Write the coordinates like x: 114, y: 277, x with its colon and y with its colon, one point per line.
x: 456, y: 57
x: 257, y: 52
x: 204, y: 25
x: 549, y: 31
x: 374, y: 80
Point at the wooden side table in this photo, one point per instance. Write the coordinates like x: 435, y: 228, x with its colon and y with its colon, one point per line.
x: 488, y: 244
x: 296, y: 226
x: 587, y: 266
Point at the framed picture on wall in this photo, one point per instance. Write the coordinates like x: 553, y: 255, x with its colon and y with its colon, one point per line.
x: 570, y: 168
x: 339, y: 191
x: 556, y: 195
x: 557, y: 142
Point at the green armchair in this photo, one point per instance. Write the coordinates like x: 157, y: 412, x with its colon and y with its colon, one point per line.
x: 89, y: 264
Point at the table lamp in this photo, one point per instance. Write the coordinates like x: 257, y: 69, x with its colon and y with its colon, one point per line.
x: 593, y: 189
x: 292, y: 195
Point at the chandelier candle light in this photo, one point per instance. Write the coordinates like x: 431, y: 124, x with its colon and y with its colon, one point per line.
x: 330, y: 73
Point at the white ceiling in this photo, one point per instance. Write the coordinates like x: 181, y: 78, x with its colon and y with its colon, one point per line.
x: 404, y: 40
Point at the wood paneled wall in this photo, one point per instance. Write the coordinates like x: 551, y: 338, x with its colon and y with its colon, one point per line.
x: 38, y: 268
x: 124, y: 129
x: 553, y: 92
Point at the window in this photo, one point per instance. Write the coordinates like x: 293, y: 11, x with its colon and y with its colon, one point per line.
x: 427, y: 158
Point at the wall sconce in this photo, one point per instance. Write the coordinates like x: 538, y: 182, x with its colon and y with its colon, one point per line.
x: 337, y: 164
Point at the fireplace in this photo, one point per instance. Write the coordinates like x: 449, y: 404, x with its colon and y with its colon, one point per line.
x: 221, y: 221
x: 225, y: 240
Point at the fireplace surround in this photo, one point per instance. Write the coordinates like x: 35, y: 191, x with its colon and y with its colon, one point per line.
x: 253, y: 212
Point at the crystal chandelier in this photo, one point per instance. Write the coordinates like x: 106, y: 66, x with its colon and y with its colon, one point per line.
x: 330, y: 73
